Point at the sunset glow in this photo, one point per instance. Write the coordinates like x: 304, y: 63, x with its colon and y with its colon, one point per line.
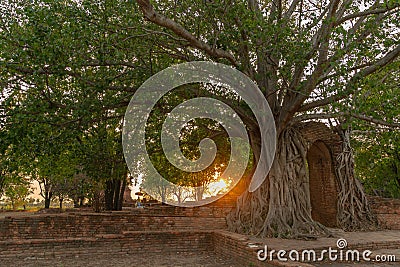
x: 219, y: 186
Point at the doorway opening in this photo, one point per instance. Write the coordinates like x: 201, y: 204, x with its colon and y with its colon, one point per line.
x: 323, y: 187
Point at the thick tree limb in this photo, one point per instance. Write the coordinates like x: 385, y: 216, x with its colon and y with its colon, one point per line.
x: 343, y: 8
x: 347, y: 49
x: 341, y: 114
x: 376, y: 121
x: 362, y: 15
x: 293, y: 100
x: 336, y: 75
x: 291, y: 9
x: 388, y: 58
x: 370, y: 11
x: 150, y: 14
x: 244, y: 50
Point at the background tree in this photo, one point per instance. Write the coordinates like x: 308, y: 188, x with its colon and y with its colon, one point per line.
x: 378, y: 163
x: 17, y: 192
x: 195, y: 185
x: 62, y: 69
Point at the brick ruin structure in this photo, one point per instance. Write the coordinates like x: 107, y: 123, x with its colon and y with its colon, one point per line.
x: 323, y: 147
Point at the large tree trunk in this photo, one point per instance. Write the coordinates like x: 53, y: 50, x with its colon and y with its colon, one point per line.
x: 121, y: 195
x: 281, y: 206
x: 114, y: 194
x: 47, y: 201
x: 354, y: 212
x: 61, y: 199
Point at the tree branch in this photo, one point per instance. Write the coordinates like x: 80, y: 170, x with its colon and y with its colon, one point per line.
x: 293, y: 100
x: 291, y: 9
x: 351, y: 114
x: 48, y: 71
x: 150, y: 14
x: 388, y: 58
x: 375, y: 121
x: 366, y: 13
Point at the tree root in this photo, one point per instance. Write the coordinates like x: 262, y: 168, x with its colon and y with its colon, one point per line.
x: 354, y: 212
x: 281, y: 206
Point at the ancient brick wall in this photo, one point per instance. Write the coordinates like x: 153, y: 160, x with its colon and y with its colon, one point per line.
x: 235, y: 246
x: 387, y: 210
x: 323, y: 148
x: 322, y: 184
x: 92, y: 224
x: 317, y: 131
x: 135, y: 243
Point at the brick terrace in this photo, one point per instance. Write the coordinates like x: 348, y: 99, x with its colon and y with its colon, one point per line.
x: 168, y: 231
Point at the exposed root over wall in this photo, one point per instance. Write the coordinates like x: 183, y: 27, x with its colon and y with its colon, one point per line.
x: 354, y: 212
x: 281, y: 206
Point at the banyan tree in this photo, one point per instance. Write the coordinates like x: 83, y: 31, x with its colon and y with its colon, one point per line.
x: 309, y: 58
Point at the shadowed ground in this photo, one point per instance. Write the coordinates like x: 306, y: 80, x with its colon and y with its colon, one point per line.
x: 178, y: 260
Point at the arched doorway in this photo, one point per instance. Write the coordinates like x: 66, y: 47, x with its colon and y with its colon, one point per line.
x: 323, y: 188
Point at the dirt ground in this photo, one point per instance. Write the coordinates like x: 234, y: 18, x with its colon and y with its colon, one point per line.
x: 177, y: 260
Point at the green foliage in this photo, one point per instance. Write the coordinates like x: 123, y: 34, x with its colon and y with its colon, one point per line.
x: 378, y: 146
x: 67, y: 69
x: 17, y: 192
x: 378, y: 163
